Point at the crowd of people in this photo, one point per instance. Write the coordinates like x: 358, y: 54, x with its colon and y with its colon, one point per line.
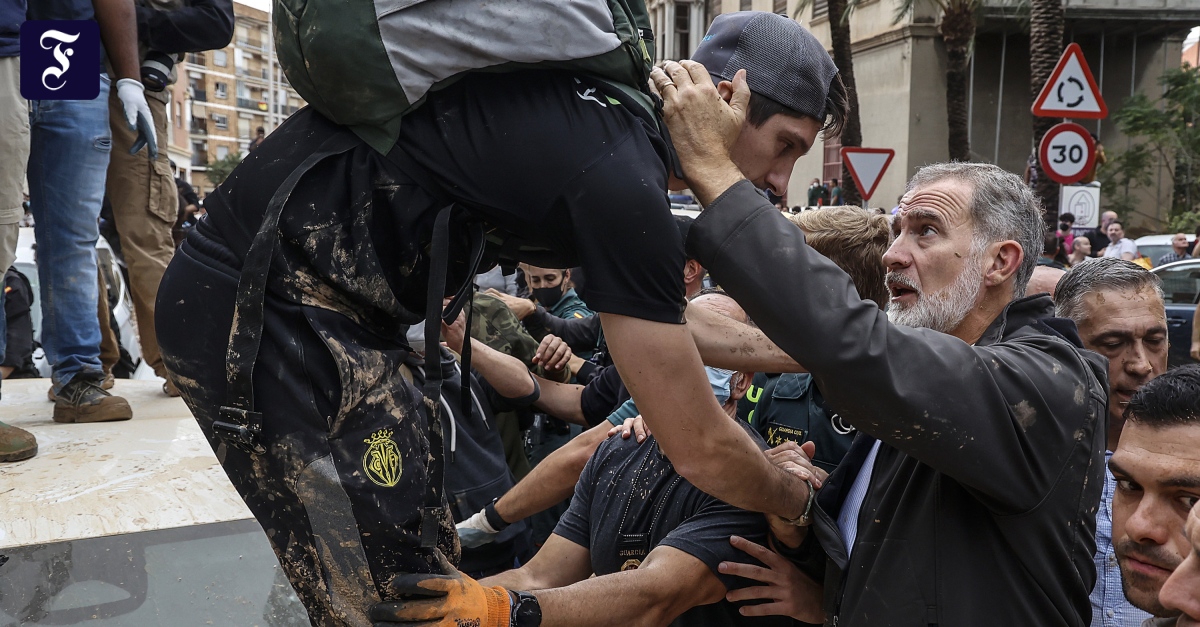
x: 72, y: 168
x: 946, y: 415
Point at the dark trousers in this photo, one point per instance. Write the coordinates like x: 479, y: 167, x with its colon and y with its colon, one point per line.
x: 340, y: 487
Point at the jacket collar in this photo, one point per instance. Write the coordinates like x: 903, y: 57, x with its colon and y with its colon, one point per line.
x: 1036, y: 310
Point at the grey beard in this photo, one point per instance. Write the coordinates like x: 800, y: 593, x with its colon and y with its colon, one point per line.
x: 945, y: 309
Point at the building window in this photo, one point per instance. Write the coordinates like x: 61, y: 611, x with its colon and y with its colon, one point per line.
x: 244, y: 128
x: 220, y: 90
x: 220, y: 57
x: 222, y: 121
x: 222, y: 152
x: 781, y: 7
x: 820, y: 8
x: 683, y: 19
x: 746, y: 5
x: 833, y: 159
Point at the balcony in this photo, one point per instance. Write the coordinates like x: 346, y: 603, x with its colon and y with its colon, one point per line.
x: 247, y: 103
x: 200, y: 159
x: 252, y: 44
x: 196, y: 58
x: 199, y: 95
x: 199, y: 126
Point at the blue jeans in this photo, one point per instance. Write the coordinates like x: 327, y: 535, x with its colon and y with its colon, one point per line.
x: 68, y: 160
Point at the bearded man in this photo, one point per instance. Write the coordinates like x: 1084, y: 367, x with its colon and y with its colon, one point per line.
x: 977, y: 469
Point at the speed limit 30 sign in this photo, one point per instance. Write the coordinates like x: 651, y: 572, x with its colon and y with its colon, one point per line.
x: 1067, y: 153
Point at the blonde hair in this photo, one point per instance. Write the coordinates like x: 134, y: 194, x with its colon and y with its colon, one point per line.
x: 854, y: 239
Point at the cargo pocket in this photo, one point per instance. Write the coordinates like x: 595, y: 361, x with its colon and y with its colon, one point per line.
x: 164, y: 198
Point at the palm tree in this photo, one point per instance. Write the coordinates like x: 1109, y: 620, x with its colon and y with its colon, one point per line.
x: 839, y: 36
x: 1045, y: 47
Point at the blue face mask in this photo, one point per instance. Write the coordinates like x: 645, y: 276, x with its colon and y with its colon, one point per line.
x: 720, y: 381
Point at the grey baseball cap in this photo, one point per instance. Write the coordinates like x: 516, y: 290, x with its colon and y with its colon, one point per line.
x: 783, y: 61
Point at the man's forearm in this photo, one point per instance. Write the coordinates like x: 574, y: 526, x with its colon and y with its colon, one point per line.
x: 663, y: 372
x: 561, y: 400
x: 553, y: 480
x: 726, y: 343
x: 118, y: 29
x: 652, y: 595
x: 505, y: 373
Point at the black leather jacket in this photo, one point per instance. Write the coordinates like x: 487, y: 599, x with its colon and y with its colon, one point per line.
x: 981, y: 506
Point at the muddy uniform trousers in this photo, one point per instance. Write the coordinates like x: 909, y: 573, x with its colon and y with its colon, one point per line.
x: 339, y: 484
x: 145, y: 208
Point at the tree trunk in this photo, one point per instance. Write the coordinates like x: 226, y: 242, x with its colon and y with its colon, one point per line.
x: 958, y: 30
x: 839, y: 35
x: 1045, y: 47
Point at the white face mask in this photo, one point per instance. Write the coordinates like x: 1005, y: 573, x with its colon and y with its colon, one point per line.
x: 720, y: 381
x: 416, y: 336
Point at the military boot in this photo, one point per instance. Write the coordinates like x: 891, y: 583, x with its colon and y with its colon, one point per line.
x: 16, y: 444
x: 84, y: 400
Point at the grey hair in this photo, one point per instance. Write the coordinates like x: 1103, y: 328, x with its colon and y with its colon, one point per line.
x: 1093, y: 275
x: 1002, y: 208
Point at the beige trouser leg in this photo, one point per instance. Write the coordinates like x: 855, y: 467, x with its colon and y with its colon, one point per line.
x: 145, y: 207
x: 14, y: 154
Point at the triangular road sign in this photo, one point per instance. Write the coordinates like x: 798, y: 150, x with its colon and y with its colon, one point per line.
x: 867, y: 166
x: 1071, y: 91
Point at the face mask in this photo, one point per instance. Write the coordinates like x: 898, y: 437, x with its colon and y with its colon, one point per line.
x: 548, y: 296
x: 719, y: 380
x: 416, y: 336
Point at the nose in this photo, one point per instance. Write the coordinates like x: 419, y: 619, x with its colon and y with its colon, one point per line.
x: 777, y: 179
x: 1137, y: 363
x: 1147, y: 522
x: 897, y: 255
x: 1181, y: 591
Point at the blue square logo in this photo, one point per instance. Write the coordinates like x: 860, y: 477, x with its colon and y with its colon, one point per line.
x: 60, y: 60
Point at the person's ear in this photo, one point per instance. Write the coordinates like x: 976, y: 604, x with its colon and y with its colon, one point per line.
x: 1003, y: 263
x: 739, y: 386
x: 725, y: 88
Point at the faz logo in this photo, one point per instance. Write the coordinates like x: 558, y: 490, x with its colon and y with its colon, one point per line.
x: 467, y: 622
x: 381, y: 462
x: 60, y: 60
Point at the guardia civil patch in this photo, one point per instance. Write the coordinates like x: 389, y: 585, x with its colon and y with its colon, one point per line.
x: 779, y: 433
x: 381, y: 462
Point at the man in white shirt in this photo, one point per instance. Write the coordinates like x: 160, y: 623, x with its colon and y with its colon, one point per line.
x: 1121, y: 247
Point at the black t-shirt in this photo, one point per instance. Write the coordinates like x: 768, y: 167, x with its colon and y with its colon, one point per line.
x: 602, y: 395
x: 629, y: 500
x: 542, y: 158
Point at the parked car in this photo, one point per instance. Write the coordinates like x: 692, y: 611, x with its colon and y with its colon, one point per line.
x: 130, y: 524
x: 120, y: 303
x: 1181, y: 289
x: 1155, y: 246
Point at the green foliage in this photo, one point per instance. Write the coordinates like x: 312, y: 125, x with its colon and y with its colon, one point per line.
x: 1164, y: 132
x: 219, y: 170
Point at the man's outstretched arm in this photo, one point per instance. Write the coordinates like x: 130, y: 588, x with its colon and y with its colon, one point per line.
x: 660, y: 365
x: 668, y: 583
x: 726, y: 343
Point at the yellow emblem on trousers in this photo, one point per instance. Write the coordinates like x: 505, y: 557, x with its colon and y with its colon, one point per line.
x: 381, y: 462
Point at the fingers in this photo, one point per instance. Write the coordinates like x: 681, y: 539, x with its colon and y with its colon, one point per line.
x: 741, y: 94
x: 418, y: 585
x: 748, y: 571
x: 409, y: 612
x: 766, y: 609
x: 680, y: 74
x: 661, y: 83
x: 755, y: 593
x: 639, y: 427
x: 697, y: 73
x: 809, y: 448
x: 755, y: 550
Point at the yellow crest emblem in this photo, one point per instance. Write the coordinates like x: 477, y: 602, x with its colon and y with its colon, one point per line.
x: 381, y: 462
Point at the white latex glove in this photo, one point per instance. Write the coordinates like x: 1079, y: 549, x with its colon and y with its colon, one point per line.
x: 132, y: 95
x: 475, y: 531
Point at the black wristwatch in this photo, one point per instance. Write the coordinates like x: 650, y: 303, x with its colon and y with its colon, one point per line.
x: 526, y: 612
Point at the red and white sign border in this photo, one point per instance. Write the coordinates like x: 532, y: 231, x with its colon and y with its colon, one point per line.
x: 867, y: 193
x: 1044, y: 148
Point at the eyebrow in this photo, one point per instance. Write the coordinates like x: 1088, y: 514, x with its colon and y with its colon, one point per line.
x: 1122, y: 334
x: 1186, y: 481
x: 918, y: 213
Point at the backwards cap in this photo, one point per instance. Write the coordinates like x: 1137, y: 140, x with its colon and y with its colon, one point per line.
x: 783, y: 61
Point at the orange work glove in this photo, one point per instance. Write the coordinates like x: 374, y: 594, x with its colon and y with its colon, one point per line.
x: 449, y: 600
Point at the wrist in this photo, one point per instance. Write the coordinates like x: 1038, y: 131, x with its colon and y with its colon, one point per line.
x: 494, y: 518
x: 709, y: 181
x: 525, y: 609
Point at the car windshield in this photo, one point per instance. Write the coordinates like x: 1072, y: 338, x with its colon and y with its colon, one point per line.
x: 214, y: 574
x: 1181, y: 284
